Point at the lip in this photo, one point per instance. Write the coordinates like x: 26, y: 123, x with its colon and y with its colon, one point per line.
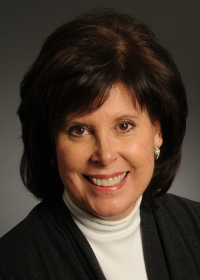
x: 107, y: 190
x: 112, y: 175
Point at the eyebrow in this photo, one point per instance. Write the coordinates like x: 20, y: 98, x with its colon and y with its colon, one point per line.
x: 74, y: 123
x: 127, y: 116
x: 121, y: 118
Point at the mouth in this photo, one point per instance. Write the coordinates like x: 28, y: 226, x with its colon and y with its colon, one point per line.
x: 110, y: 182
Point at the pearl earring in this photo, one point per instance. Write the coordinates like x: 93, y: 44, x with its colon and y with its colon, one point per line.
x: 156, y: 152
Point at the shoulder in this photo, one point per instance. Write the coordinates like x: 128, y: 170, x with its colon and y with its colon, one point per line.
x: 26, y: 223
x: 178, y: 200
x: 22, y: 242
x: 21, y: 233
x: 29, y: 243
x: 46, y: 245
x: 180, y: 213
x: 173, y: 223
x: 172, y: 209
x: 34, y: 228
x: 178, y: 206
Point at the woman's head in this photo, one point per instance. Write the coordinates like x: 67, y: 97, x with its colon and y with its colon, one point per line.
x: 106, y: 158
x: 73, y: 76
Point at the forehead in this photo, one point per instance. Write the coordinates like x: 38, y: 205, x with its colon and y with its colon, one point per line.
x: 120, y: 102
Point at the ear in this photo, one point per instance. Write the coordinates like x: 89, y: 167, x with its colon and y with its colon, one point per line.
x: 158, y: 139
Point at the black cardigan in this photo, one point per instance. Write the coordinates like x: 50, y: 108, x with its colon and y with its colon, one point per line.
x: 48, y: 244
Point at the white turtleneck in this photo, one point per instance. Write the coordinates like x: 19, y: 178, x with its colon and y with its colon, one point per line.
x: 116, y: 244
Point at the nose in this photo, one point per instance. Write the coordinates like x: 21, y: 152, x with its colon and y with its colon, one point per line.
x: 105, y: 151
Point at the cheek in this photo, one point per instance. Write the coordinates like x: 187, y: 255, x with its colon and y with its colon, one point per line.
x: 147, y: 151
x: 64, y: 158
x: 142, y: 150
x: 70, y: 158
x: 141, y: 159
x: 147, y: 157
x: 67, y: 166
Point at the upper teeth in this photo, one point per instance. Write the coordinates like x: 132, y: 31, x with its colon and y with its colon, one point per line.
x: 109, y: 182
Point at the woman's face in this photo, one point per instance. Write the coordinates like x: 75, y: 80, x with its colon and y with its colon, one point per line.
x: 106, y: 159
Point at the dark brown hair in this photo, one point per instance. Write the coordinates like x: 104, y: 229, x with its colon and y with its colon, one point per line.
x: 74, y: 72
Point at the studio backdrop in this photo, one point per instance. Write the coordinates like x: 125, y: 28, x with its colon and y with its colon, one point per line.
x: 24, y: 26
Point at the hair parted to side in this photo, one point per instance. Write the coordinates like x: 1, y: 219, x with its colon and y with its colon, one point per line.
x: 73, y: 74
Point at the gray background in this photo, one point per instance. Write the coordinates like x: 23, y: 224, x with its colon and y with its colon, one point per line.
x: 24, y: 26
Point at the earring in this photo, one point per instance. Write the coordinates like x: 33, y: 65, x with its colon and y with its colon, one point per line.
x: 156, y: 152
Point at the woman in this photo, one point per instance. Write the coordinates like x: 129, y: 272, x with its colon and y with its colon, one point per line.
x: 103, y: 112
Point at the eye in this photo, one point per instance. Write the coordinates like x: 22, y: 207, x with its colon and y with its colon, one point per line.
x: 78, y: 131
x: 125, y: 126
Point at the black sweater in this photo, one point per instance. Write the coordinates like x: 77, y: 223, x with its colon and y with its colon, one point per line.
x: 48, y: 244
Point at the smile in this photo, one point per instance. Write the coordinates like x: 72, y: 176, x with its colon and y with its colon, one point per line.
x: 108, y: 182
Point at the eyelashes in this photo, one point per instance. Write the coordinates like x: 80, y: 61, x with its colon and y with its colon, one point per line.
x: 126, y: 126
x: 78, y: 131
x: 82, y: 131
